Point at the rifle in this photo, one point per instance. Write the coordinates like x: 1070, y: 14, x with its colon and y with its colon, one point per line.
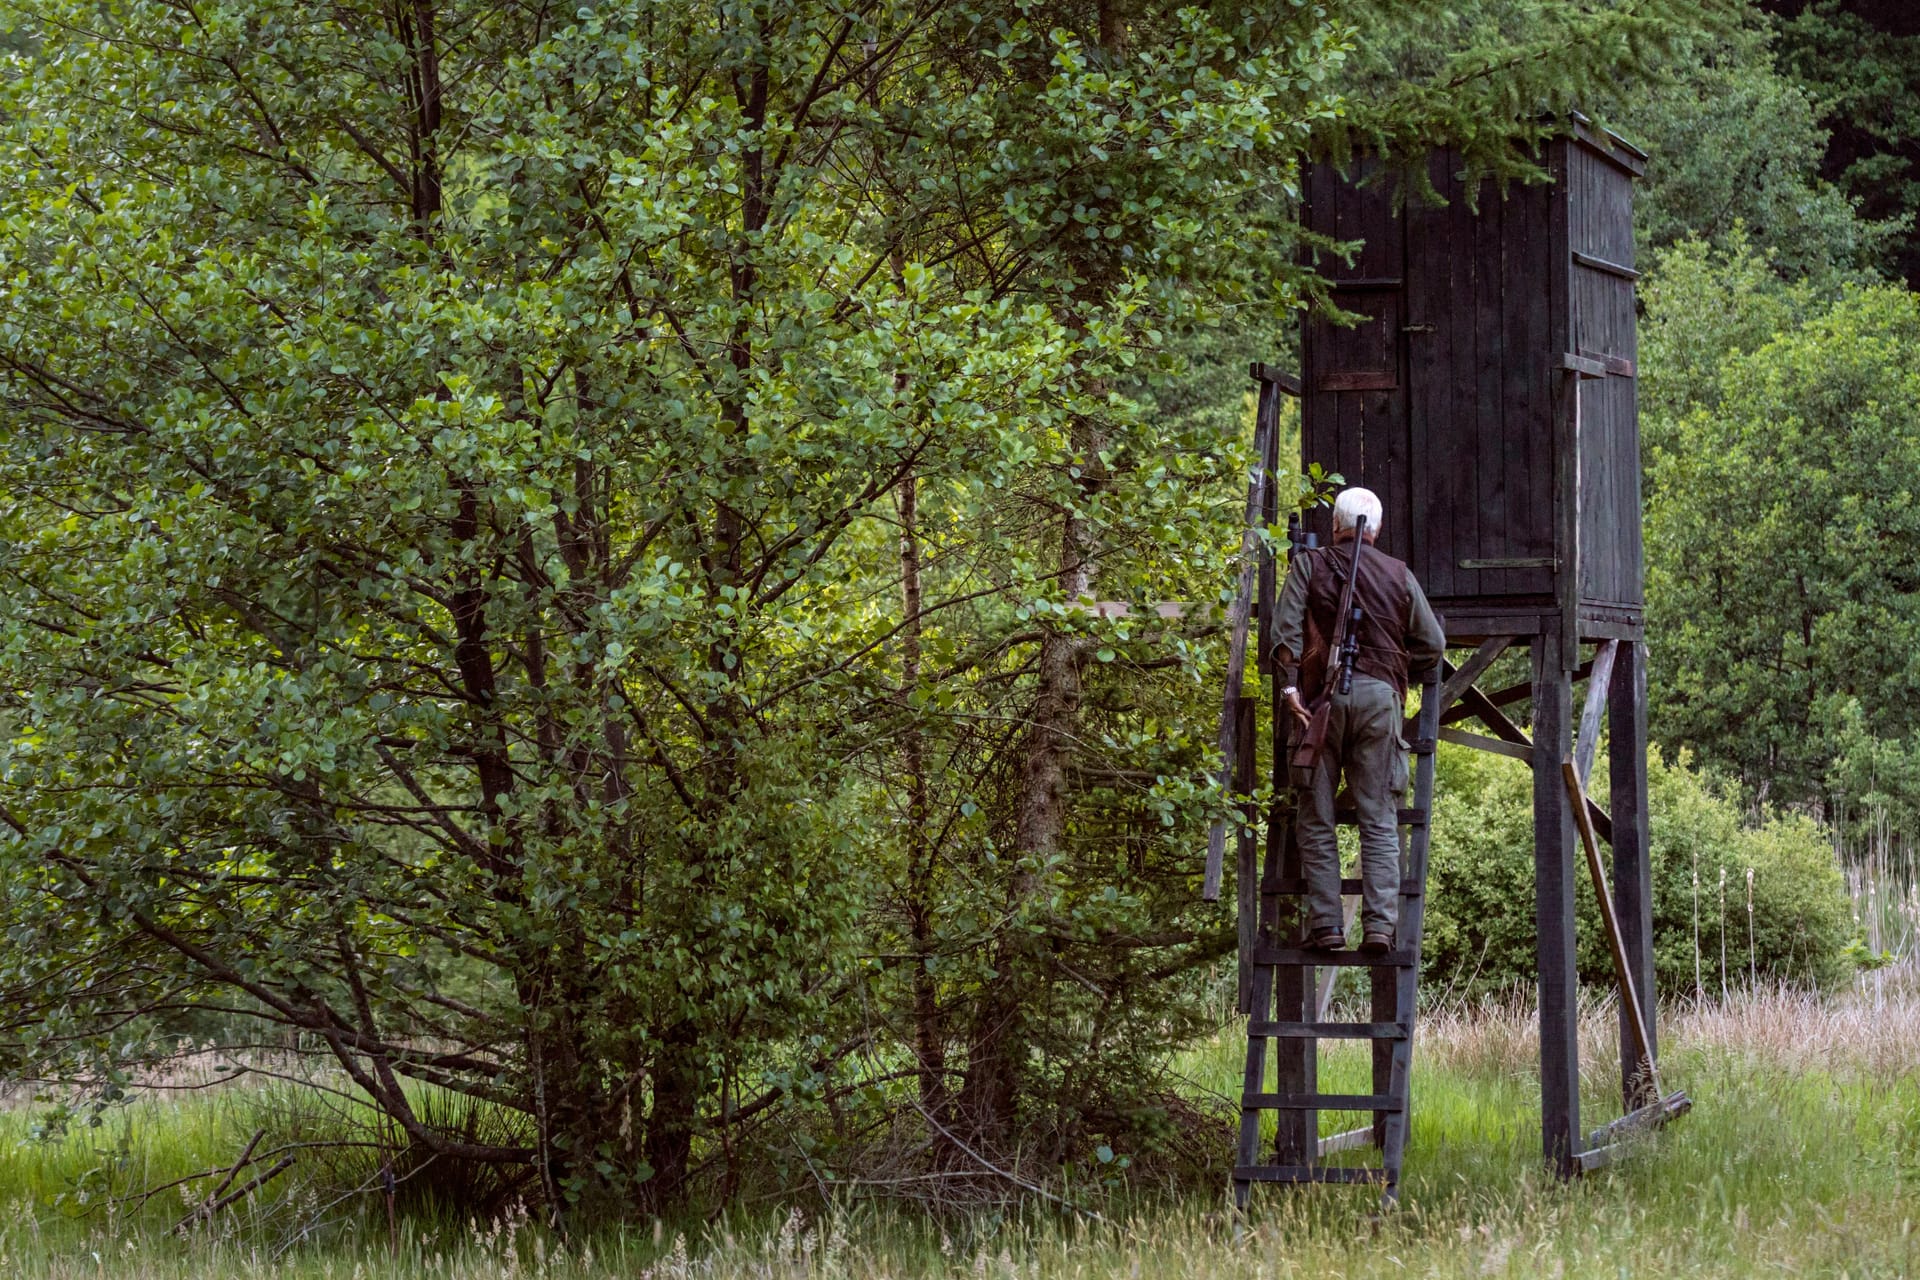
x: 1350, y: 648
x: 1346, y: 642
x: 1297, y: 540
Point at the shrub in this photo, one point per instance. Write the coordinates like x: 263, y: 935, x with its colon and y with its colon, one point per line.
x: 1480, y: 929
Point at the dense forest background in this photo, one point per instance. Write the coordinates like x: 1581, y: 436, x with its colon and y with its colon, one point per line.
x: 547, y: 553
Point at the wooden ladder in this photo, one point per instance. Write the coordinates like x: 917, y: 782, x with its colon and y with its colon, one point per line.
x: 1285, y: 1023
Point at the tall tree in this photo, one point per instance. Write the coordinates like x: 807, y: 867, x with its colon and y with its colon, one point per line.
x: 1783, y: 607
x: 551, y: 555
x: 1860, y: 59
x: 449, y: 450
x: 1736, y: 148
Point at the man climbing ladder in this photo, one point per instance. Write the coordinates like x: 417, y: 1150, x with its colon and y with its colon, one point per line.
x: 1345, y: 646
x: 1362, y: 628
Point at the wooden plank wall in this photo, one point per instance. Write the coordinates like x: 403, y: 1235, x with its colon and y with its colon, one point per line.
x: 1443, y: 402
x: 1601, y: 231
x: 1360, y: 432
x: 1481, y: 414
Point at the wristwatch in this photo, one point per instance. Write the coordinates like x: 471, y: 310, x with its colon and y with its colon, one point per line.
x: 1289, y: 691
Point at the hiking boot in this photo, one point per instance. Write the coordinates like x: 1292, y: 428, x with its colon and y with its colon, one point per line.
x: 1330, y: 938
x: 1376, y: 944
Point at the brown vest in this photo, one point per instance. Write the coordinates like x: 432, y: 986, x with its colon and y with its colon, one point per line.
x: 1381, y: 592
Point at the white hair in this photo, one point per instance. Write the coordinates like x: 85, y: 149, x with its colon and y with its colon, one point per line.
x: 1354, y: 503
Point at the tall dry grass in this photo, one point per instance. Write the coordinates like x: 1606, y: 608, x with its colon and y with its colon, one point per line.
x: 1884, y: 886
x: 1802, y: 1157
x: 1873, y: 1028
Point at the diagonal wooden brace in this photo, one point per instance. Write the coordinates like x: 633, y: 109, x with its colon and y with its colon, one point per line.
x: 1504, y: 729
x: 1460, y: 679
x: 1629, y: 996
x: 1597, y: 688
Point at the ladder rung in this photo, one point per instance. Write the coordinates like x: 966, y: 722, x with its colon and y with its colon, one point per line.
x: 1329, y: 1030
x: 1322, y: 1102
x: 1306, y: 1173
x: 1296, y: 886
x: 1333, y: 959
x: 1405, y: 817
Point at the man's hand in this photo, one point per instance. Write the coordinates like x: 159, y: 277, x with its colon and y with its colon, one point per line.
x: 1298, y: 708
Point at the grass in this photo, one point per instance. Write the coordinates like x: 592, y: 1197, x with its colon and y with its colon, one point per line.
x: 1885, y: 892
x: 1801, y: 1158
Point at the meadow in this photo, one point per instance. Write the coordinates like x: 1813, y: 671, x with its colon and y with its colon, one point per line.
x: 1802, y: 1157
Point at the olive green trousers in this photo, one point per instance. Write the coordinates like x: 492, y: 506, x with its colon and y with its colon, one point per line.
x: 1363, y: 746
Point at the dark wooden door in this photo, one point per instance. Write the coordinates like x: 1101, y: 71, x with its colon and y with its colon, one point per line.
x: 1480, y: 409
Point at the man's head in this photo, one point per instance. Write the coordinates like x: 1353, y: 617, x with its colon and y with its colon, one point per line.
x: 1350, y: 506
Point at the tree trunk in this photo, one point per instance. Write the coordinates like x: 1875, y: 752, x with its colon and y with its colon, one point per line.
x: 929, y: 1035
x: 999, y: 1047
x: 672, y: 1119
x: 572, y: 1114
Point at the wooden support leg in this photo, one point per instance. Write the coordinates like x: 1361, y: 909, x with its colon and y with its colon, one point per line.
x: 1296, y: 1066
x: 1554, y: 880
x: 1247, y: 1152
x: 1632, y: 867
x: 1246, y: 848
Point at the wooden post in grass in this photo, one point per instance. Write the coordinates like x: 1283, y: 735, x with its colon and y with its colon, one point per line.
x: 1632, y: 865
x: 1553, y: 907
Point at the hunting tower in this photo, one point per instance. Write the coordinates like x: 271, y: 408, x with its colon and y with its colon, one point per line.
x: 1488, y: 397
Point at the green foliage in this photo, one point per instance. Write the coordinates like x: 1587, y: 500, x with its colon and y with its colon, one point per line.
x: 1734, y: 149
x: 1480, y: 932
x: 1861, y: 63
x: 453, y: 579
x: 550, y: 556
x: 1495, y: 77
x: 1705, y: 304
x: 1783, y: 605
x: 1791, y: 919
x: 1733, y: 138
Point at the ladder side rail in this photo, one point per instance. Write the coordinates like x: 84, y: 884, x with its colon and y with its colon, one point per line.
x: 1253, y: 1082
x: 1412, y: 931
x: 1297, y: 1061
x: 1246, y: 886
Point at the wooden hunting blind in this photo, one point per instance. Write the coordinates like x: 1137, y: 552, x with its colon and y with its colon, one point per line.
x: 1487, y: 395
